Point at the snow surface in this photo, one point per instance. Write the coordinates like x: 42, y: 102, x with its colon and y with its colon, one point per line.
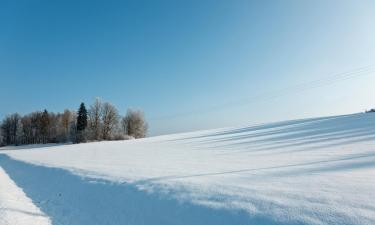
x: 15, y: 207
x: 311, y: 171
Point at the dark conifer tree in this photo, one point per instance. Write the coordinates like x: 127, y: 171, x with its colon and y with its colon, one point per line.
x: 45, y: 126
x: 81, y: 122
x: 82, y: 118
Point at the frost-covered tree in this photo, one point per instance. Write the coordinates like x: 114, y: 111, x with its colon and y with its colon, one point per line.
x: 65, y: 120
x: 100, y: 122
x: 95, y: 122
x: 134, y: 124
x: 73, y: 131
x: 55, y: 128
x: 19, y: 133
x: 110, y: 120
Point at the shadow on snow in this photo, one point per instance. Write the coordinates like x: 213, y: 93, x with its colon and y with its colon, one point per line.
x: 70, y: 199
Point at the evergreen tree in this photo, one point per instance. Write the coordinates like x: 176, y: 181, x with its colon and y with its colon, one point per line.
x: 81, y: 122
x: 82, y: 118
x: 45, y: 126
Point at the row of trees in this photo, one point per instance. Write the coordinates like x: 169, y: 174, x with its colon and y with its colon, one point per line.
x: 100, y: 122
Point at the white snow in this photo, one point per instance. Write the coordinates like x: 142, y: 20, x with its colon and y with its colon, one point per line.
x: 15, y: 207
x: 312, y: 171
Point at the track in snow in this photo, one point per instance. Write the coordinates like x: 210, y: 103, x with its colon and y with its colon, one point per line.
x: 15, y: 207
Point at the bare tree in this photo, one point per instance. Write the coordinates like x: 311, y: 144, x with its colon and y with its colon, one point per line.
x: 1, y: 138
x: 110, y: 119
x: 37, y: 127
x: 134, y: 124
x: 36, y: 123
x: 102, y: 122
x: 64, y: 127
x: 6, y: 130
x: 19, y: 133
x: 10, y: 127
x: 27, y: 127
x: 73, y: 130
x: 66, y: 118
x: 45, y: 126
x: 55, y: 131
x: 95, y: 114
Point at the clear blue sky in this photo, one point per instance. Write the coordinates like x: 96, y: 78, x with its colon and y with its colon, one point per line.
x: 188, y: 64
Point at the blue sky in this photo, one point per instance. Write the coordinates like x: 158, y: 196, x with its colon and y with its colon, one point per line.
x: 189, y: 64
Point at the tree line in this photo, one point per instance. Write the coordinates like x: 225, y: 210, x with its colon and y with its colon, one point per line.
x: 101, y: 121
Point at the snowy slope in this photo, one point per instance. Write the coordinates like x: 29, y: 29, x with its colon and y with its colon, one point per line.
x: 15, y: 207
x: 312, y: 171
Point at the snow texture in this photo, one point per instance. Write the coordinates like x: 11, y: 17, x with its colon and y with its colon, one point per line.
x: 15, y: 207
x: 311, y: 171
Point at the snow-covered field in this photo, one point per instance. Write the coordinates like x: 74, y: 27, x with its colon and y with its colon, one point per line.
x: 15, y: 207
x: 311, y: 171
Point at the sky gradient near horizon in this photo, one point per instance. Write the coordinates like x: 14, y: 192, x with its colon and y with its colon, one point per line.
x: 189, y: 64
